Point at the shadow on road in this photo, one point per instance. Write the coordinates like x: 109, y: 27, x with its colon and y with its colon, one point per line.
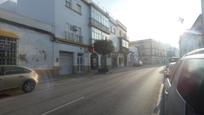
x: 10, y: 93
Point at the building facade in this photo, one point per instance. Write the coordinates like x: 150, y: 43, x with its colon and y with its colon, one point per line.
x: 55, y: 40
x: 150, y: 51
x: 69, y: 21
x: 192, y: 39
x: 19, y: 43
x: 133, y: 56
x: 115, y: 40
x: 100, y: 30
x: 121, y: 33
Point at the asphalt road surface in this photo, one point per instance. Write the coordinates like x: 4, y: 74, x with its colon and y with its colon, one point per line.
x: 131, y: 92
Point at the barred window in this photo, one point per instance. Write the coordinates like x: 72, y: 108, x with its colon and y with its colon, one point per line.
x: 7, y: 51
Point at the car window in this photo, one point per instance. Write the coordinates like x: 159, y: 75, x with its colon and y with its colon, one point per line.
x: 191, y: 83
x: 15, y: 70
x: 175, y: 70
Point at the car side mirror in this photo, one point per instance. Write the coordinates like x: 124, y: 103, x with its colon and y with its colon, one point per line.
x: 166, y: 74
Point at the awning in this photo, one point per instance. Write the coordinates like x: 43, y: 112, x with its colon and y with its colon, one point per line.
x: 8, y: 34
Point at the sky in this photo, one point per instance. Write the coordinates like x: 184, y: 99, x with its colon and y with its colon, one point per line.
x: 156, y: 19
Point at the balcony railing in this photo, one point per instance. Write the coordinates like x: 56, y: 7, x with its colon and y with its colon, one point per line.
x: 99, y: 26
x: 73, y: 37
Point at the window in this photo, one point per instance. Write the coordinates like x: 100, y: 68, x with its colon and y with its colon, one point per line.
x: 79, y: 8
x: 73, y: 33
x: 15, y: 70
x: 7, y: 51
x: 69, y: 3
x: 191, y: 83
x: 99, y: 17
x: 124, y: 43
x: 114, y: 30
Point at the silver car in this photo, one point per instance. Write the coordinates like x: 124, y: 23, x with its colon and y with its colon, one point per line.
x: 17, y: 77
x: 183, y: 92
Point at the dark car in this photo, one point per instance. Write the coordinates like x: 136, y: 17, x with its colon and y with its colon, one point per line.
x: 169, y: 69
x: 183, y: 92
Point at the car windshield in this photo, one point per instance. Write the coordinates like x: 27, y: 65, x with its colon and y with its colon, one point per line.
x: 94, y: 57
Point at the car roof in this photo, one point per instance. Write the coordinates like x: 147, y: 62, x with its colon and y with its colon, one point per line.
x: 197, y: 51
x: 194, y: 56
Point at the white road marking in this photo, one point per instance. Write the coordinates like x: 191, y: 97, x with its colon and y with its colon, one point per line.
x: 157, y: 108
x: 160, y: 93
x: 62, y: 106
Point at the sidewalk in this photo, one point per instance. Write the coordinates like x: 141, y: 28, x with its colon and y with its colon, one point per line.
x: 92, y: 73
x: 88, y: 74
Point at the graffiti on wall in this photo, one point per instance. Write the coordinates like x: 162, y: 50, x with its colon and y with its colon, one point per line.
x: 34, y: 57
x: 40, y: 55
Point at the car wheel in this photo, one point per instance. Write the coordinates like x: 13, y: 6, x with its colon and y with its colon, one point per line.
x: 28, y: 86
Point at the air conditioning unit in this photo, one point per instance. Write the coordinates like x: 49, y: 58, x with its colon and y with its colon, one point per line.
x: 74, y: 28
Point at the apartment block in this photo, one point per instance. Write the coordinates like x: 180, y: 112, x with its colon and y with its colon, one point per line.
x: 54, y: 36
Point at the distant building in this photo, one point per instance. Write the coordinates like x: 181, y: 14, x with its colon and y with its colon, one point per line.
x: 123, y: 44
x: 133, y: 56
x: 192, y: 39
x: 150, y: 51
x: 115, y: 40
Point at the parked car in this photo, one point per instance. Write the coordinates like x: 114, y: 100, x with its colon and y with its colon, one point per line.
x: 197, y: 51
x: 140, y: 63
x: 169, y: 69
x: 184, y: 90
x: 173, y: 59
x: 17, y: 77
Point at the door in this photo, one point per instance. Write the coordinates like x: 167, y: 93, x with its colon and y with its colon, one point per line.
x: 12, y: 77
x: 80, y: 63
x: 94, y: 61
x: 66, y: 63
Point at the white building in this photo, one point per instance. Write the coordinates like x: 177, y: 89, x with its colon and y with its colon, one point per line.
x: 121, y: 33
x: 19, y: 42
x: 192, y: 39
x: 133, y: 56
x: 115, y: 40
x: 69, y: 21
x: 54, y: 36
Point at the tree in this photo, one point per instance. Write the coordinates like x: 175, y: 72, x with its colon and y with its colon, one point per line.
x: 103, y: 47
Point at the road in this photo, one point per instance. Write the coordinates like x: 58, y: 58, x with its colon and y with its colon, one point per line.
x: 131, y: 92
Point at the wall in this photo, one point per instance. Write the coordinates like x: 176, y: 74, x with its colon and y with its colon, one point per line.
x: 34, y: 48
x: 41, y: 10
x: 189, y: 42
x: 65, y: 15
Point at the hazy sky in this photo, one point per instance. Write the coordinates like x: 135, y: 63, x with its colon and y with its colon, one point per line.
x: 157, y: 19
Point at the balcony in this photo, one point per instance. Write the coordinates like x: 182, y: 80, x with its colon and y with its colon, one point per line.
x: 70, y: 36
x: 99, y: 26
